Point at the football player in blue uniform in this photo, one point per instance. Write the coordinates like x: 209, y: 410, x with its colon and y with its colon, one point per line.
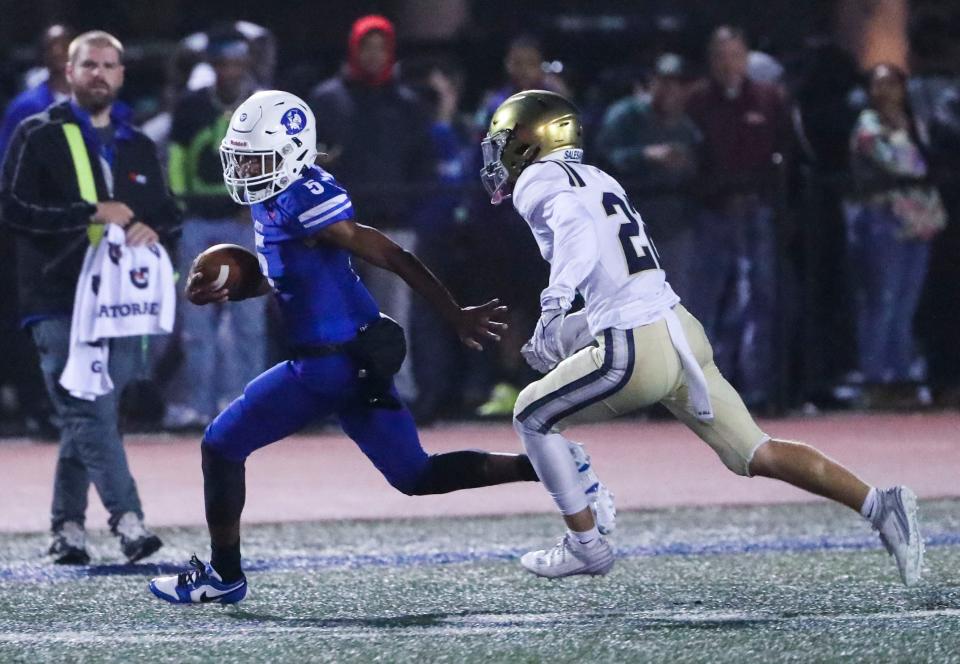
x: 345, y: 351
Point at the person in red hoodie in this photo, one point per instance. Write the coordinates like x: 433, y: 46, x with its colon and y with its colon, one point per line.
x: 376, y: 134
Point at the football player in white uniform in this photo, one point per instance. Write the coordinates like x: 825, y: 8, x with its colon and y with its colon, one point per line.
x: 648, y: 347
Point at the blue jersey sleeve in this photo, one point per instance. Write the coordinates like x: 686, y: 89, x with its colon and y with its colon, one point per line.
x: 313, y: 203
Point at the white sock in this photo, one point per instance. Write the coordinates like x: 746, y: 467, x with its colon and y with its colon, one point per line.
x: 871, y: 505
x: 586, y: 538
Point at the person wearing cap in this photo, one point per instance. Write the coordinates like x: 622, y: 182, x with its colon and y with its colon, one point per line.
x: 650, y: 143
x: 210, y: 374
x: 375, y: 132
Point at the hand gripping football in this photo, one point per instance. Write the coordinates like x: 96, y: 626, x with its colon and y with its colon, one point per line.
x: 229, y: 266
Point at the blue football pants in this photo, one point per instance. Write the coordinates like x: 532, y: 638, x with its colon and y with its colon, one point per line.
x: 291, y: 395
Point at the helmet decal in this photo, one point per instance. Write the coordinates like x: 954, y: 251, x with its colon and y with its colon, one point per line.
x: 294, y: 120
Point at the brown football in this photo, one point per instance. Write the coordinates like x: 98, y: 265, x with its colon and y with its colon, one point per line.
x: 229, y: 266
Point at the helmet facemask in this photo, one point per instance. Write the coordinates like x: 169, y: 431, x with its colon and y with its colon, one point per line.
x: 504, y: 158
x: 494, y: 175
x: 245, y: 182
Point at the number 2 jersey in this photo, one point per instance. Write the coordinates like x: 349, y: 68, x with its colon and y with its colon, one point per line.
x: 595, y: 242
x: 322, y: 300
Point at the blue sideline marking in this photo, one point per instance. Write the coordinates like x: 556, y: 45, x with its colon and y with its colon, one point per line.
x: 41, y: 571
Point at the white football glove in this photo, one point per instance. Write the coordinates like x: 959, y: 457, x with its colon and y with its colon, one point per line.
x: 574, y: 333
x: 557, y: 337
x: 543, y: 351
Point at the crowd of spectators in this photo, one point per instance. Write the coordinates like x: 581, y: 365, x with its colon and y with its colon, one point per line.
x: 799, y: 217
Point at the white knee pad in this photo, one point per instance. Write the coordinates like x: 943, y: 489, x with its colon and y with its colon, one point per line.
x: 550, y: 455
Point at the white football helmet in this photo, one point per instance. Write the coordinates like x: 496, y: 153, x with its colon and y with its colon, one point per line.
x: 275, y: 130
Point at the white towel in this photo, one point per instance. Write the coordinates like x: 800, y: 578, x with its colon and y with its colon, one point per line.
x: 85, y: 376
x: 122, y: 291
x: 697, y: 390
x: 137, y: 294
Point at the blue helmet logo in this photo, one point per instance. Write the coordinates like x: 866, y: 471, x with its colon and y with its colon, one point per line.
x: 294, y: 120
x: 243, y: 116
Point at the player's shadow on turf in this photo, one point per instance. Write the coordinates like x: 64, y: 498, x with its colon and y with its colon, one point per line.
x: 129, y: 569
x: 421, y: 620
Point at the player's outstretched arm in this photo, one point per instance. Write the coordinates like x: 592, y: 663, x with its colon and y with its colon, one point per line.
x: 473, y: 324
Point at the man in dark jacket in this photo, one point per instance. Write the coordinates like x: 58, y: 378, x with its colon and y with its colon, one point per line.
x: 69, y: 171
x: 376, y: 134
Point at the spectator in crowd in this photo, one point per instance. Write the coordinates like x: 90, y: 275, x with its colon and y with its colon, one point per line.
x: 934, y: 95
x: 438, y: 361
x: 186, y: 56
x: 211, y: 374
x: 376, y: 135
x: 20, y: 371
x: 502, y: 249
x: 825, y: 117
x: 523, y: 65
x: 745, y: 127
x: 53, y: 47
x: 58, y: 187
x: 189, y: 69
x: 263, y: 52
x: 890, y: 236
x: 651, y: 146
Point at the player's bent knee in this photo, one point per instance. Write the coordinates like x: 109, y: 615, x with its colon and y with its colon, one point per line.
x: 525, y: 421
x: 769, y: 456
x: 750, y: 461
x: 526, y: 397
x: 413, y: 482
x: 223, y: 448
x: 407, y: 488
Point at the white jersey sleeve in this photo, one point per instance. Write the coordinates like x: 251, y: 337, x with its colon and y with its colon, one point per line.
x: 595, y: 242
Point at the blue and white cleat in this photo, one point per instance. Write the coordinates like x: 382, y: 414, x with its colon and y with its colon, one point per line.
x: 201, y: 585
x: 600, y: 497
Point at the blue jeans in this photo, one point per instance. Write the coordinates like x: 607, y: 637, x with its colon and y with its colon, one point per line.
x: 217, y: 364
x: 91, y: 447
x: 733, y: 294
x: 888, y: 274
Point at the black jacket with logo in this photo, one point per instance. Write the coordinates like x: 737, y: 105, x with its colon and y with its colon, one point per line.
x: 42, y: 205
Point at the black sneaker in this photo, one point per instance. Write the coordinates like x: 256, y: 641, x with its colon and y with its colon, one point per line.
x: 136, y: 541
x: 69, y: 545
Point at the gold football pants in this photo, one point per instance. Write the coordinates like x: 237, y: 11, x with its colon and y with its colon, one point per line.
x: 631, y: 369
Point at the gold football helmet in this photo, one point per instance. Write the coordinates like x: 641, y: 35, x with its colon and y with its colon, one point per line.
x: 526, y: 126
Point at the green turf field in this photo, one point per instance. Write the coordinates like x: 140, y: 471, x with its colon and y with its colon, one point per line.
x: 801, y: 583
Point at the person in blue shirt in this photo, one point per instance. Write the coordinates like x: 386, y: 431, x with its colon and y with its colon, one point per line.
x: 21, y: 370
x: 53, y: 48
x: 345, y: 352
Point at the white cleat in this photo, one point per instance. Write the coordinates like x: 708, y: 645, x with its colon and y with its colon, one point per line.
x: 601, y: 498
x: 899, y: 531
x: 568, y: 558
